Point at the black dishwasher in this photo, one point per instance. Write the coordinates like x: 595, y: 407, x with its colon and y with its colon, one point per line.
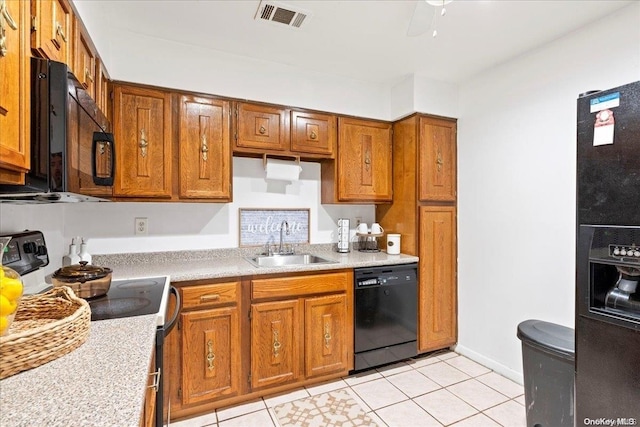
x: 386, y: 302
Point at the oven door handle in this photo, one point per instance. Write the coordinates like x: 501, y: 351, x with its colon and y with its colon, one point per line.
x: 169, y: 325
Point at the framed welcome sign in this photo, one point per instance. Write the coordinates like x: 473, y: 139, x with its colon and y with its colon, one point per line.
x: 259, y: 226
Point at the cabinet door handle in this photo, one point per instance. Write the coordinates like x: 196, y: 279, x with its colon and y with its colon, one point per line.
x: 262, y: 130
x: 327, y: 334
x: 313, y: 135
x: 5, y: 16
x: 60, y: 32
x: 204, y: 147
x: 156, y: 380
x: 210, y: 355
x: 276, y: 344
x: 87, y: 75
x: 439, y: 161
x: 143, y: 144
x: 367, y: 159
x: 209, y: 297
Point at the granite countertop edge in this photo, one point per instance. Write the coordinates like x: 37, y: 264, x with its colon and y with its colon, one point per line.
x: 183, y: 266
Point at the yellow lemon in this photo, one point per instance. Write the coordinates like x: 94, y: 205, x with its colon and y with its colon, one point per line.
x: 6, y: 307
x: 1, y: 272
x: 4, y: 324
x: 11, y: 288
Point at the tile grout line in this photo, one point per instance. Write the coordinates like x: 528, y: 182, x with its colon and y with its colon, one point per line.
x: 381, y: 375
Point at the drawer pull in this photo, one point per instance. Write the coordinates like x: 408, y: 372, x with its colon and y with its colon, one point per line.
x: 262, y: 130
x: 313, y: 135
x: 210, y: 355
x: 209, y: 297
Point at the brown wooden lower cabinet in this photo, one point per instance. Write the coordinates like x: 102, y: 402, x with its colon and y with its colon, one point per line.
x: 148, y: 416
x: 275, y: 350
x: 240, y: 340
x: 437, y: 304
x: 210, y: 354
x: 324, y: 332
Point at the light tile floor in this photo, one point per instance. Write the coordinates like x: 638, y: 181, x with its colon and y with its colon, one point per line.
x: 440, y: 389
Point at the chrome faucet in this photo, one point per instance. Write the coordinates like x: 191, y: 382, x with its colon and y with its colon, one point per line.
x: 283, y: 225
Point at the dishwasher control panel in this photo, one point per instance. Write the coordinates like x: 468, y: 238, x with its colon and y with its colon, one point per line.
x: 386, y: 275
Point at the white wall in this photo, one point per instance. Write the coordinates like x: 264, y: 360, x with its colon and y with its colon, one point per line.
x: 141, y: 59
x: 516, y: 182
x: 415, y: 93
x: 109, y: 227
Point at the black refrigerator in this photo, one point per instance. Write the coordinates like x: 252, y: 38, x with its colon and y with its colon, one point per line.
x: 608, y: 258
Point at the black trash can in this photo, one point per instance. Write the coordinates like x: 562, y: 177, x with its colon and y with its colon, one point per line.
x: 548, y: 360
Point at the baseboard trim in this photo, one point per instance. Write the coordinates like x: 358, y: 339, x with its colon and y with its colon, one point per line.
x: 490, y: 363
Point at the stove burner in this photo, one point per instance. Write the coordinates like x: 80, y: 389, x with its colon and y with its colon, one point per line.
x: 139, y: 284
x: 106, y: 308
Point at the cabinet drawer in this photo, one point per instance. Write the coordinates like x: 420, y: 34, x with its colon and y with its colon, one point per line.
x: 300, y: 285
x: 210, y: 295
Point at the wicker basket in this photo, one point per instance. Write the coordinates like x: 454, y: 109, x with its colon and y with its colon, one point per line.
x: 46, y: 326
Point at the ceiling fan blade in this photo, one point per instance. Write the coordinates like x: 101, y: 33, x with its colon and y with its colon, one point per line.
x: 422, y: 18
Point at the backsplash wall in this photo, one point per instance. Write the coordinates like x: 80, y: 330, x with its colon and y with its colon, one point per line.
x: 109, y: 227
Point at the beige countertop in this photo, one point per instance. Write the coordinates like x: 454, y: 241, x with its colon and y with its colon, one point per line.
x: 220, y: 263
x: 101, y: 383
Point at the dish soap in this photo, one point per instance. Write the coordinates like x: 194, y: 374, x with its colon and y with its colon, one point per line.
x: 72, y: 257
x: 84, y: 255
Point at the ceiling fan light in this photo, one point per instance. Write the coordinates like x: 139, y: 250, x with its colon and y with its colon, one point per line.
x: 437, y: 3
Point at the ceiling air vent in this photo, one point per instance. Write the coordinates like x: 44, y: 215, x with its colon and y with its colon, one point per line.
x: 280, y: 13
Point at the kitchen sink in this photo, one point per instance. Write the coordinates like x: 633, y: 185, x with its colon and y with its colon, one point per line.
x: 286, y: 260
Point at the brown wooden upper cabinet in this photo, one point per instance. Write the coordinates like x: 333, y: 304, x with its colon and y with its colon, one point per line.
x: 85, y: 59
x: 269, y: 129
x: 313, y: 133
x: 102, y: 87
x: 142, y: 131
x: 362, y: 172
x: 52, y: 29
x: 437, y: 160
x: 14, y: 92
x: 205, y: 148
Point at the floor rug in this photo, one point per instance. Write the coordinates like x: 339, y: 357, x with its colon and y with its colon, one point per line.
x: 334, y: 409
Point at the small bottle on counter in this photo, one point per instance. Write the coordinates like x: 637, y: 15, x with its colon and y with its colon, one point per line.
x: 84, y: 255
x: 72, y: 257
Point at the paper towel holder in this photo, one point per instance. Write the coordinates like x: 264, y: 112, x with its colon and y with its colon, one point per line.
x: 264, y: 159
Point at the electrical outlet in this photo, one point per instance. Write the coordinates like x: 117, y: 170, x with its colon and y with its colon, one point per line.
x: 141, y: 226
x: 358, y: 221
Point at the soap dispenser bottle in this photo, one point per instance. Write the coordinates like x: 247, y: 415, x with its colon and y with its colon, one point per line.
x: 84, y: 255
x: 72, y: 257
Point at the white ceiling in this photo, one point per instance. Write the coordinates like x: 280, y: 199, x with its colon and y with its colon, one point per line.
x: 362, y: 39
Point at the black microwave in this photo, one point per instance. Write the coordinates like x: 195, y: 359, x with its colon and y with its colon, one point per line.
x: 67, y: 129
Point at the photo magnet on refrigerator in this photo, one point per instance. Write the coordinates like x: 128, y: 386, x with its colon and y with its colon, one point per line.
x: 603, y: 128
